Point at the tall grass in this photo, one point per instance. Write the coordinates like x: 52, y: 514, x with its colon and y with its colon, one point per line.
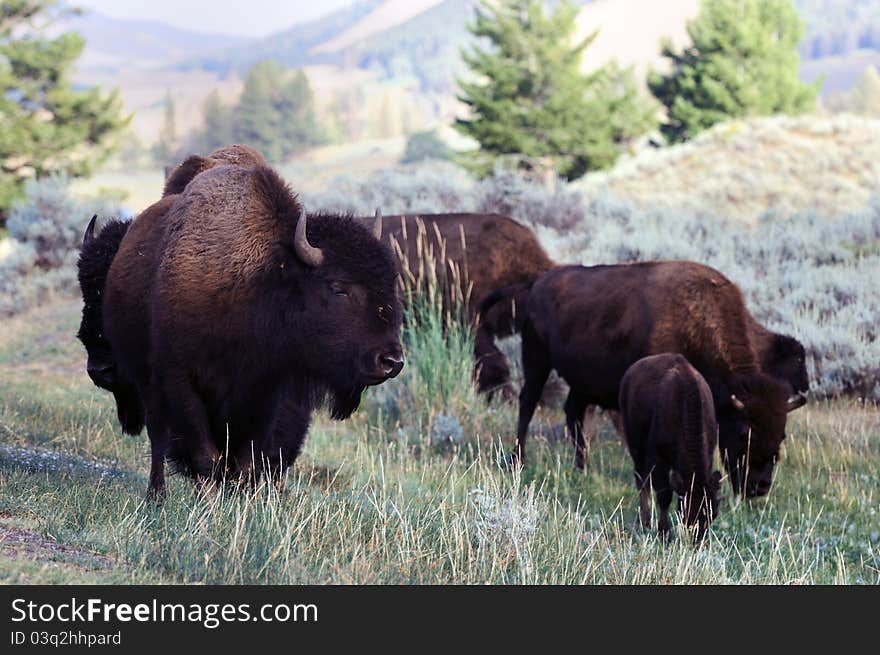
x: 365, y: 505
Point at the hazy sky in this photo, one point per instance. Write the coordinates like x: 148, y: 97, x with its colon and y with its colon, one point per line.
x: 242, y: 17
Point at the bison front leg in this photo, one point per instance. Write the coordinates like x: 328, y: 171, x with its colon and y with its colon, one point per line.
x: 575, y: 406
x: 190, y: 431
x: 286, y: 432
x: 663, y: 494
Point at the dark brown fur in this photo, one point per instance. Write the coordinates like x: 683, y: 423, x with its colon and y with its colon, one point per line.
x: 234, y: 155
x: 669, y: 421
x: 230, y: 338
x: 94, y: 262
x: 591, y: 324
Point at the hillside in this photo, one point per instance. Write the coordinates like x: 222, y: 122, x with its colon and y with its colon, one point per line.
x: 746, y: 169
x: 119, y: 46
x: 405, y: 54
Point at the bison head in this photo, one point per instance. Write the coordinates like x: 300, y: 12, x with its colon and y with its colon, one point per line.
x: 95, y: 257
x: 785, y: 360
x: 751, y: 430
x: 341, y: 288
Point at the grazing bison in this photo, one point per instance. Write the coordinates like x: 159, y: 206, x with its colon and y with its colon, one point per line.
x: 781, y: 356
x: 94, y: 262
x: 235, y: 314
x: 591, y: 324
x: 477, y: 254
x: 670, y: 429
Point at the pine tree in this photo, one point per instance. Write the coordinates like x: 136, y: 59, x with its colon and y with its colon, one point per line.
x: 864, y: 98
x: 218, y: 129
x: 300, y: 128
x: 531, y: 101
x: 742, y: 61
x: 166, y: 147
x: 276, y: 112
x: 257, y: 121
x: 45, y: 125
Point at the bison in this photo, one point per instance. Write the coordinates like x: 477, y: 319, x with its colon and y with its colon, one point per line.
x: 591, y: 323
x: 97, y: 254
x: 95, y: 257
x: 475, y: 254
x: 236, y: 314
x: 669, y: 424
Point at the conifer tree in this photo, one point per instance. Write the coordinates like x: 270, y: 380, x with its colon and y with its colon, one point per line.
x: 165, y: 150
x: 742, y: 61
x: 47, y: 126
x: 864, y: 98
x: 529, y: 99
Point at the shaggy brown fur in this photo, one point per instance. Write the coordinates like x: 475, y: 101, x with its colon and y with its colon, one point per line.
x: 232, y: 340
x: 591, y: 324
x: 95, y: 257
x: 234, y: 155
x: 671, y: 433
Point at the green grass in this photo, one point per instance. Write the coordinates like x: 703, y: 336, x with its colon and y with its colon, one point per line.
x: 372, y: 501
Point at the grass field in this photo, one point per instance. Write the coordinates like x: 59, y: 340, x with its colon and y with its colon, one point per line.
x: 372, y: 501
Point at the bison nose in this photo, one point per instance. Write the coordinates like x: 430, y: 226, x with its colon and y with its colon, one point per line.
x: 390, y: 363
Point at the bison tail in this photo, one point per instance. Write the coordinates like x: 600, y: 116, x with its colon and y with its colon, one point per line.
x: 511, y: 292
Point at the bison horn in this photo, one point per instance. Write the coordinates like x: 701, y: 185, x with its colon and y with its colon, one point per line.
x: 90, y: 230
x: 737, y: 403
x: 305, y: 251
x: 377, y: 226
x: 797, y: 400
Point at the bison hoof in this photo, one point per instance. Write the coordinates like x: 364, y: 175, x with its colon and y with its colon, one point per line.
x: 156, y: 495
x: 510, y: 461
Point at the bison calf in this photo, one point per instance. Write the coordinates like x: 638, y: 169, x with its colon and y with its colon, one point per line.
x: 671, y: 432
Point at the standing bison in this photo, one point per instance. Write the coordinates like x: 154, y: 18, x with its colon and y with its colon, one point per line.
x: 592, y: 323
x: 97, y: 254
x: 236, y: 314
x: 95, y: 257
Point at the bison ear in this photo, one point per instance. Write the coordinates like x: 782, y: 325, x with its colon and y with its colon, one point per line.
x: 677, y: 483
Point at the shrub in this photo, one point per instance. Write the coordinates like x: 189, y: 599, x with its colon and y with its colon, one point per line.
x: 425, y: 145
x: 38, y: 259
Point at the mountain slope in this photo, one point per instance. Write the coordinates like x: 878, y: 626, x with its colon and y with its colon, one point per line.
x: 120, y: 45
x: 748, y: 168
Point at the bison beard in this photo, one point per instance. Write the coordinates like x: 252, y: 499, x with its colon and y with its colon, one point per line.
x: 237, y: 316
